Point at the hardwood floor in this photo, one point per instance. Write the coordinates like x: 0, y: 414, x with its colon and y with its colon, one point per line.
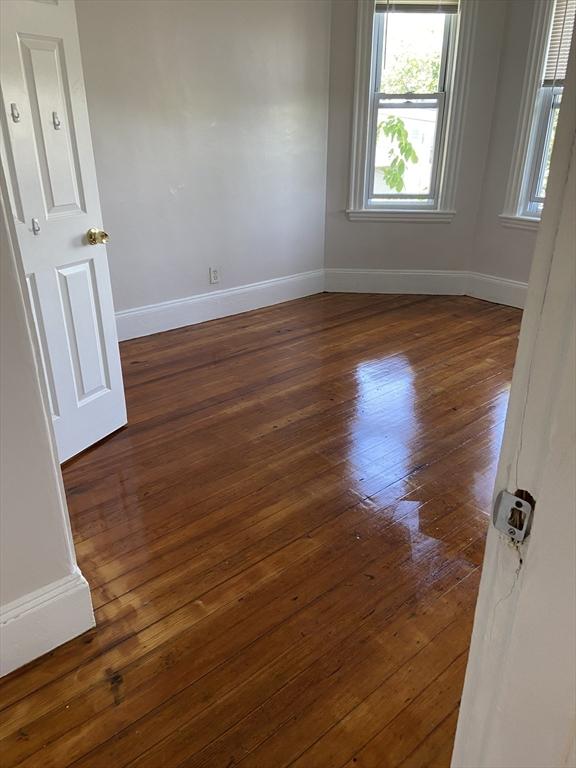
x: 283, y: 545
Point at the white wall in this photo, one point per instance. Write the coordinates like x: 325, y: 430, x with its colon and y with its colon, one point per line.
x: 209, y: 123
x: 475, y: 240
x: 222, y: 137
x: 44, y: 599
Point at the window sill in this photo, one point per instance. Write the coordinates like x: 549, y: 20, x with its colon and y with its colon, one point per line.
x: 375, y: 214
x: 519, y: 222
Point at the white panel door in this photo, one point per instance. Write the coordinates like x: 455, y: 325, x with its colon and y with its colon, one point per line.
x: 49, y: 167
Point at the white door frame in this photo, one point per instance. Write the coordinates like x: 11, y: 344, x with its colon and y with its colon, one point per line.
x: 519, y: 703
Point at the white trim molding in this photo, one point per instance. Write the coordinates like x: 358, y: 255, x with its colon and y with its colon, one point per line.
x: 543, y: 10
x: 417, y: 281
x: 156, y: 318
x: 432, y: 282
x: 167, y: 315
x: 389, y: 216
x: 519, y: 222
x: 44, y: 619
x: 361, y: 106
x: 458, y: 106
x: 499, y: 290
x: 458, y: 98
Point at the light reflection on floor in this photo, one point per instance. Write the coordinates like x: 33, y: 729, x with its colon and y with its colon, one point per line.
x: 389, y: 427
x: 385, y: 423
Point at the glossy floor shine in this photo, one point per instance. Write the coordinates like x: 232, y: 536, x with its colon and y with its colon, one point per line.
x: 284, y: 544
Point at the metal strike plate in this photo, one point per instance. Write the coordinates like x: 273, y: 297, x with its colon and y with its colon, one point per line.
x: 512, y: 516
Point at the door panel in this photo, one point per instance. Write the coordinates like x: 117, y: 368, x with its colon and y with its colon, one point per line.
x: 84, y: 331
x: 43, y: 346
x: 47, y: 84
x: 49, y: 165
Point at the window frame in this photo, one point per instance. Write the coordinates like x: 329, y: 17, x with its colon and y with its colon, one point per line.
x: 378, y: 98
x: 464, y: 40
x: 548, y: 100
x: 521, y: 209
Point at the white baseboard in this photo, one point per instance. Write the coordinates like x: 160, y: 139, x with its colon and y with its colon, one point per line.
x: 427, y: 282
x: 500, y: 290
x: 422, y: 281
x: 44, y: 619
x: 167, y: 315
x: 154, y: 318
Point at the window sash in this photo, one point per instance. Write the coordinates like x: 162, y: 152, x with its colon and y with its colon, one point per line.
x: 407, y: 101
x: 547, y: 103
x: 378, y: 98
x: 380, y: 22
x: 550, y: 102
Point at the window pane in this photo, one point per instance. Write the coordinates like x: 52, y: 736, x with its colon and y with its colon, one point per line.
x: 405, y: 141
x: 551, y: 133
x: 411, y: 52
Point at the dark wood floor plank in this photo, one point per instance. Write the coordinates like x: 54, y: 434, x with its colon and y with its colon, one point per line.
x: 414, y: 724
x: 339, y: 608
x: 200, y: 425
x: 434, y: 511
x: 423, y: 670
x: 283, y: 545
x: 162, y: 539
x: 279, y: 707
x: 436, y: 749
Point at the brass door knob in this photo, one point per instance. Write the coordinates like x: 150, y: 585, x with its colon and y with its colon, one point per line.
x: 96, y: 236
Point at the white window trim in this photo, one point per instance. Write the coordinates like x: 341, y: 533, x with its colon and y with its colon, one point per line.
x: 513, y: 221
x: 450, y: 160
x: 525, y: 130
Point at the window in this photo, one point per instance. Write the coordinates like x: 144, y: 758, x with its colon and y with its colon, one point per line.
x: 402, y: 112
x: 411, y: 48
x: 545, y: 113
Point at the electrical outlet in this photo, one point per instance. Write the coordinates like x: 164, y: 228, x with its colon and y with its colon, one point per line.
x: 214, y: 275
